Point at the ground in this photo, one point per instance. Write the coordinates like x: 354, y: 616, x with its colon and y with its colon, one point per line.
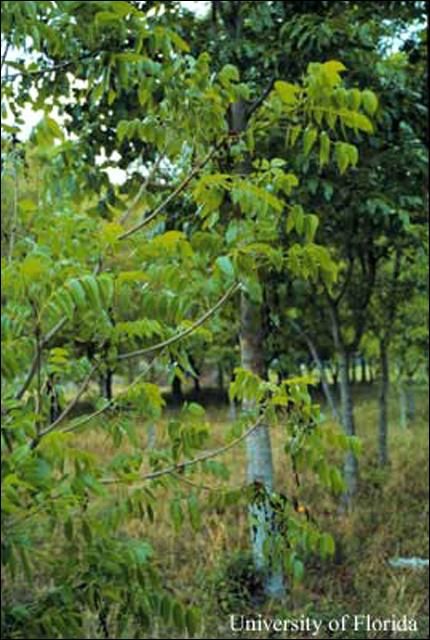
x: 210, y: 567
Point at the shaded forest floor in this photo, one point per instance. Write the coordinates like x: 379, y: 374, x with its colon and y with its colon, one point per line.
x: 210, y: 567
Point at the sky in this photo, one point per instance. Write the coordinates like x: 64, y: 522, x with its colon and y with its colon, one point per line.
x: 31, y: 117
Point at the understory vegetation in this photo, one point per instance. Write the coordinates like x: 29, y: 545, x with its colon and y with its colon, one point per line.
x: 214, y: 301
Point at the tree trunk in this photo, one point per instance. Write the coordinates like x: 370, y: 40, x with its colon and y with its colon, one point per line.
x: 196, y: 376
x: 327, y: 392
x: 371, y: 372
x: 363, y: 370
x: 383, y: 404
x: 335, y: 374
x: 259, y: 453
x: 259, y: 450
x: 131, y: 370
x: 348, y: 423
x: 151, y: 436
x: 220, y: 377
x: 106, y: 385
x: 410, y: 400
x: 197, y: 387
x: 353, y: 377
x: 323, y: 378
x: 177, y: 395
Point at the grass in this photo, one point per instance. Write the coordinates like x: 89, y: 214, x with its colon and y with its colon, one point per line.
x: 210, y: 567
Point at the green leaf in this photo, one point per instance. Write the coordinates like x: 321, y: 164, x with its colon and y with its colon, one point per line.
x: 178, y: 616
x: 90, y: 285
x: 194, y: 512
x: 295, y: 219
x: 229, y: 73
x: 370, y: 102
x: 310, y: 226
x: 253, y: 288
x: 324, y: 148
x: 86, y: 532
x: 176, y: 513
x: 342, y: 156
x: 103, y: 17
x: 298, y: 570
x: 77, y: 292
x: 179, y: 42
x: 354, y: 98
x: 309, y: 139
x: 123, y: 129
x: 34, y: 268
x: 192, y: 620
x: 225, y: 264
x: 327, y: 545
x: 106, y: 289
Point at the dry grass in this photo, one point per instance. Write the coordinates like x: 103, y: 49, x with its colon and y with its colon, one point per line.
x: 390, y: 518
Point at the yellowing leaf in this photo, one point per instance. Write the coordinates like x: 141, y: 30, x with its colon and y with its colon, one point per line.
x: 111, y: 231
x: 334, y: 66
x: 34, y: 267
x: 287, y: 91
x: 132, y: 276
x: 331, y: 71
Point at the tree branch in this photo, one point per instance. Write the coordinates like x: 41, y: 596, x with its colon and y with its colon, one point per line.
x: 56, y: 67
x: 181, y: 187
x: 185, y: 332
x: 346, y: 281
x: 63, y: 415
x: 254, y: 106
x: 141, y: 190
x: 193, y: 461
x: 33, y: 368
x: 111, y: 402
x: 313, y: 350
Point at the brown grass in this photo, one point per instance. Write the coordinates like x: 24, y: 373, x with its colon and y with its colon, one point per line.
x: 390, y: 518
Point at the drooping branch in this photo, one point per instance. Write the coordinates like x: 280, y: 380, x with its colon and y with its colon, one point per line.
x: 180, y: 466
x: 179, y: 189
x: 158, y: 347
x: 186, y: 332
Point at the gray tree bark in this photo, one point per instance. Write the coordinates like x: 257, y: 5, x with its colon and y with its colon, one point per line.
x: 260, y: 471
x: 348, y: 423
x: 363, y: 369
x: 347, y: 410
x: 324, y: 382
x: 383, y: 405
x: 410, y: 400
x: 402, y: 401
